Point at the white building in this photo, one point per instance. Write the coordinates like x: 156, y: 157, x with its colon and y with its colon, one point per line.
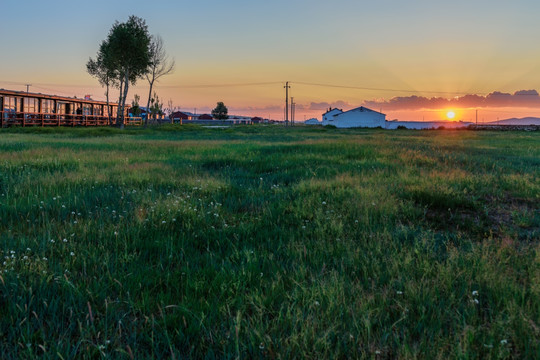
x: 359, y: 117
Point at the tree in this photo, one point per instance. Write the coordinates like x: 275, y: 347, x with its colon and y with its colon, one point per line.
x: 160, y: 65
x: 128, y: 56
x: 135, y: 108
x: 156, y: 108
x: 220, y: 112
x: 104, y: 72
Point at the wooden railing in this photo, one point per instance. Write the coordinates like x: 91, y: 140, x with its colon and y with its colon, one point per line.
x: 10, y: 118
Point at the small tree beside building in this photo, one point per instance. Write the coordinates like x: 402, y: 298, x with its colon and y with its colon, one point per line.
x: 220, y: 112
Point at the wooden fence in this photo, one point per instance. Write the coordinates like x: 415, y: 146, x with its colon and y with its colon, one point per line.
x: 10, y: 118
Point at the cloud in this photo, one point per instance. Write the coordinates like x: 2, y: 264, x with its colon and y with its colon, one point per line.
x: 325, y: 105
x: 521, y: 98
x: 263, y: 108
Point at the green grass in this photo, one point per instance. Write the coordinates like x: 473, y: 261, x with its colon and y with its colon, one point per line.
x: 268, y: 242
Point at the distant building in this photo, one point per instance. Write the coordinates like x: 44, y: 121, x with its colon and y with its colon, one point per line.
x: 358, y: 117
x: 256, y: 120
x: 183, y: 115
x: 205, y: 117
x: 312, y: 121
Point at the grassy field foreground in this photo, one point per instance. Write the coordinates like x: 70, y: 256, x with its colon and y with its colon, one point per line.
x: 266, y: 242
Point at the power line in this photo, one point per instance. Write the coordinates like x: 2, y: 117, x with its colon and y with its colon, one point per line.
x: 203, y: 86
x: 385, y: 89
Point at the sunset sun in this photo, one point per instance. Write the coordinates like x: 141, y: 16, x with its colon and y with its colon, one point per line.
x: 450, y: 115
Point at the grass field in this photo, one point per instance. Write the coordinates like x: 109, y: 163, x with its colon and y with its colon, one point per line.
x: 267, y: 242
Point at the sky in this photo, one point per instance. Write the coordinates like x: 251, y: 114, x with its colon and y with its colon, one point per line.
x: 413, y: 60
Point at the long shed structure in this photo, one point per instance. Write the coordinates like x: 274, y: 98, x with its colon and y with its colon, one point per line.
x: 20, y: 108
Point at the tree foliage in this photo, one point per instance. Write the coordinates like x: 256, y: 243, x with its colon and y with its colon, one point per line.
x: 220, y: 112
x: 156, y: 107
x: 125, y: 57
x: 135, y: 107
x: 103, y: 71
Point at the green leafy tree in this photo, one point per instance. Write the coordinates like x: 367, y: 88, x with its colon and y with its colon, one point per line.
x: 135, y: 107
x: 220, y: 112
x: 156, y: 107
x: 128, y: 56
x: 104, y: 72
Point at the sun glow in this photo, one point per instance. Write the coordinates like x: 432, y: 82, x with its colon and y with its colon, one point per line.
x: 450, y: 115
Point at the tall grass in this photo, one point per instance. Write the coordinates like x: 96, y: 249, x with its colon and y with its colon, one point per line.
x: 264, y: 242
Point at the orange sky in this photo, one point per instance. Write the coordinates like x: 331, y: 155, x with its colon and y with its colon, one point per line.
x: 371, y: 51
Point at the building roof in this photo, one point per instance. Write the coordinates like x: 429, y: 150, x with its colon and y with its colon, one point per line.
x: 53, y: 97
x: 330, y: 110
x: 360, y: 109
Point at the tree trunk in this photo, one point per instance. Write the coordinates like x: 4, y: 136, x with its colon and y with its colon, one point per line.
x: 119, y: 101
x: 108, y: 106
x: 148, y: 104
x: 123, y: 105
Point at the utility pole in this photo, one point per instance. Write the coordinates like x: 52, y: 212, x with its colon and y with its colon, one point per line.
x: 292, y: 110
x: 287, y: 87
x: 477, y: 117
x: 27, y: 87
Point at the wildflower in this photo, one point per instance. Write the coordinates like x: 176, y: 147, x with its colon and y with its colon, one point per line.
x: 52, y: 241
x: 377, y: 352
x: 504, y: 342
x: 65, y: 240
x: 163, y: 222
x: 317, y: 303
x: 261, y: 346
x: 72, y: 253
x: 475, y: 293
x: 399, y: 292
x: 324, y: 202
